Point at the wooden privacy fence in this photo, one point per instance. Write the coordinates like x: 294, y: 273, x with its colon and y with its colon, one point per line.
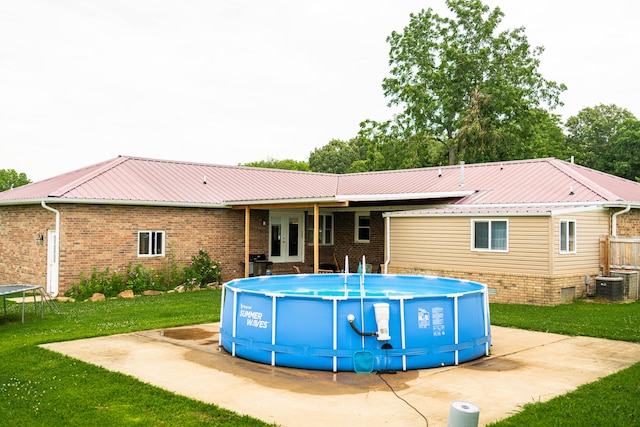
x: 619, y: 252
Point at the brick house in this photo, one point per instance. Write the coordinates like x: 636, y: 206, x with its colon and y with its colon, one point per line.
x: 550, y: 215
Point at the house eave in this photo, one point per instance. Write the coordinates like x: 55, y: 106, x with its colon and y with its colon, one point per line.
x: 510, y: 210
x: 55, y: 200
x: 404, y: 196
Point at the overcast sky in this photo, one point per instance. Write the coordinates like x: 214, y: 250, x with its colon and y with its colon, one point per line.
x: 232, y: 81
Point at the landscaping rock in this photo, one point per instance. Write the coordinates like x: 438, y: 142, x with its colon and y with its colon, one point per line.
x: 180, y: 289
x: 97, y: 297
x: 65, y: 299
x: 126, y: 294
x: 151, y: 292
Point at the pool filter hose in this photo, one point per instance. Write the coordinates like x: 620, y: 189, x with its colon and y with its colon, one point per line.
x: 351, y: 319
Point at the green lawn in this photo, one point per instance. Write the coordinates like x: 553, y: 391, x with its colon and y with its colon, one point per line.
x: 612, y: 401
x: 42, y: 388
x: 39, y: 387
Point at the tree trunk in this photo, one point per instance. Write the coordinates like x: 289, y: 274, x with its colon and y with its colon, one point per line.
x: 452, y: 148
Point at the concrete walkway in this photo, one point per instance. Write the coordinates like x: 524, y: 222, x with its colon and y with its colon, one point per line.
x: 524, y: 367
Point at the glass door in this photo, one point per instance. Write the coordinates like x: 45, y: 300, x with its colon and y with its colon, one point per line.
x: 285, y: 236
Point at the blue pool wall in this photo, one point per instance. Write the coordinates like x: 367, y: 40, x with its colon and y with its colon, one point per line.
x: 301, y: 321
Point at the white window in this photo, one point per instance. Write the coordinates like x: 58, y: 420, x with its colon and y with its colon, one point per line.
x: 489, y: 235
x: 325, y: 232
x: 150, y: 243
x: 363, y: 227
x: 567, y: 236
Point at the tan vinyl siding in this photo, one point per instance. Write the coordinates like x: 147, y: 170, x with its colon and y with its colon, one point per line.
x: 445, y: 242
x: 590, y: 226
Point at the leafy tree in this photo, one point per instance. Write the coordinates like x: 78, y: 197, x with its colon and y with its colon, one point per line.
x: 9, y: 178
x: 341, y: 156
x: 626, y: 150
x: 286, y: 164
x: 393, y: 146
x: 592, y: 135
x: 460, y: 83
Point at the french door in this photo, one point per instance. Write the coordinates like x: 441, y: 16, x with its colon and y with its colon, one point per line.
x: 285, y: 236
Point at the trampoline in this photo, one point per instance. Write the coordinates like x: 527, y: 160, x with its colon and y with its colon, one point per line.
x: 23, y: 289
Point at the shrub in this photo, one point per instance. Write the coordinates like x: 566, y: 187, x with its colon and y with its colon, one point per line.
x: 202, y: 271
x: 105, y: 282
x: 140, y: 278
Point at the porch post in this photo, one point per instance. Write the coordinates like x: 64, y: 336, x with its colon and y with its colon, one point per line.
x: 247, y: 223
x: 316, y: 241
x: 607, y: 256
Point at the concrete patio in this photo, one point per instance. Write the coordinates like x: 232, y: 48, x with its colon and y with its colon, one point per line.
x: 523, y: 367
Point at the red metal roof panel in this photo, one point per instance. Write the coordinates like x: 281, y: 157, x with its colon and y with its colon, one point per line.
x: 140, y: 180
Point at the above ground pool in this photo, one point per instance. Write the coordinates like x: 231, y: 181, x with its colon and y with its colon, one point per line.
x: 355, y: 322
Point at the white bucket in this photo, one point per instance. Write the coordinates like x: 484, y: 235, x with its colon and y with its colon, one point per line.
x: 463, y: 414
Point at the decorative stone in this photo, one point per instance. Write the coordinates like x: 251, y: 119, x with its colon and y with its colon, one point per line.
x: 126, y: 294
x: 97, y: 297
x: 152, y: 292
x: 180, y: 289
x: 65, y: 299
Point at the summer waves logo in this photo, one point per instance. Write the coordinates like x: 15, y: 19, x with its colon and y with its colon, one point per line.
x: 254, y: 318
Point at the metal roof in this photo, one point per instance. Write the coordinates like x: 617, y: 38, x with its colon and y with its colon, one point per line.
x: 136, y: 180
x: 140, y: 180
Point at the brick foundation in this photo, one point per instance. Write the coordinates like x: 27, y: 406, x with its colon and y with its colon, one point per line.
x: 514, y: 288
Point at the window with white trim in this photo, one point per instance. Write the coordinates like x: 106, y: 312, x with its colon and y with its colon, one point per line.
x: 567, y: 236
x: 363, y: 227
x: 150, y: 243
x: 489, y: 235
x: 325, y: 232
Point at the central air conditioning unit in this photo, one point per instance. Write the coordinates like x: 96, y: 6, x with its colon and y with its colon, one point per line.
x: 610, y: 288
x: 630, y: 282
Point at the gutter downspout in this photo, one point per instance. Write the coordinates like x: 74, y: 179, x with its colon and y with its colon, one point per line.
x: 614, y: 221
x: 387, y: 244
x: 54, y: 280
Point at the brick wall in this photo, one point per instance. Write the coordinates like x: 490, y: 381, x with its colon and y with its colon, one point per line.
x: 345, y: 242
x: 106, y: 236
x: 628, y: 224
x: 22, y: 260
x: 514, y: 288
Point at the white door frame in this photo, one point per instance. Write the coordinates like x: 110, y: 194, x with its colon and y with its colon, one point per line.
x: 282, y: 221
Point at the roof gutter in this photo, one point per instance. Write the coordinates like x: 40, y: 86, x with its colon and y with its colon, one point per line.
x: 52, y: 282
x: 113, y: 202
x: 282, y: 201
x: 494, y: 210
x: 614, y: 221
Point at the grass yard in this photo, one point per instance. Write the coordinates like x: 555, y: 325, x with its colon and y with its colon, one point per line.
x: 39, y: 387
x: 42, y: 388
x: 612, y: 401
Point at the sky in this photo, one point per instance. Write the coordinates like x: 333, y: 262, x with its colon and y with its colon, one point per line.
x: 236, y: 81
